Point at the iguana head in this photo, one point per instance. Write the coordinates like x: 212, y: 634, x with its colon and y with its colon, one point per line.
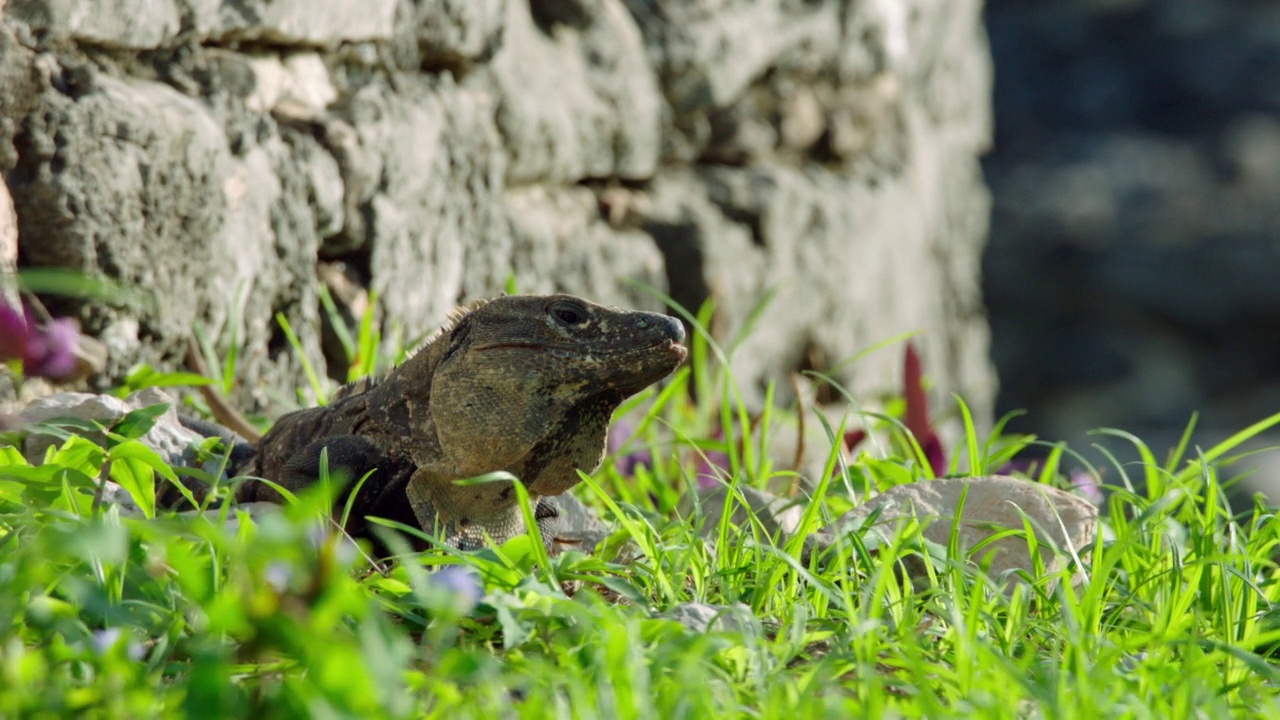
x: 575, y: 344
x: 527, y: 383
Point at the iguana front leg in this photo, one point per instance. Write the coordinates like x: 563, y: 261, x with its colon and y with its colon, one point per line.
x: 466, y: 513
x: 350, y: 458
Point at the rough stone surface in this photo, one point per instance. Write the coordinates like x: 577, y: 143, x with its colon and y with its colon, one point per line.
x: 604, y: 119
x: 8, y: 246
x: 171, y: 167
x: 126, y: 24
x: 294, y: 22
x: 455, y: 32
x: 1062, y: 522
x: 819, y: 153
x: 559, y: 241
x: 434, y: 150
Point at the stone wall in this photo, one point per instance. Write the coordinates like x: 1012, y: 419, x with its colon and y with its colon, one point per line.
x: 1131, y: 274
x: 232, y: 155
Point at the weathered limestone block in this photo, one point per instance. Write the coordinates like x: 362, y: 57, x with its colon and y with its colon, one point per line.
x: 138, y: 181
x: 299, y: 79
x: 8, y: 244
x: 576, y: 102
x: 124, y: 179
x: 126, y: 24
x: 708, y: 56
x: 439, y: 161
x: 317, y: 23
x: 452, y: 32
x: 560, y: 244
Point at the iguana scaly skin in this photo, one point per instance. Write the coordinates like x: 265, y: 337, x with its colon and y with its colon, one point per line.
x: 525, y: 384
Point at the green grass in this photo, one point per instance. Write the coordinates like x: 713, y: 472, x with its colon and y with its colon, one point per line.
x: 1172, y: 613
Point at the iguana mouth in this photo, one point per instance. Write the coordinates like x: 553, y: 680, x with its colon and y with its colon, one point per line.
x: 665, y: 344
x: 676, y: 349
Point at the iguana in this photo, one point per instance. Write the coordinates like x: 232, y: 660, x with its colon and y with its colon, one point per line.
x: 522, y: 383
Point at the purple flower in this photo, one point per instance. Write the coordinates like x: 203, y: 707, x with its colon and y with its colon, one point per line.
x: 48, y: 352
x: 461, y: 584
x: 620, y: 433
x: 1088, y: 485
x: 917, y: 419
x: 1023, y: 465
x: 278, y: 575
x: 710, y: 467
x: 107, y: 638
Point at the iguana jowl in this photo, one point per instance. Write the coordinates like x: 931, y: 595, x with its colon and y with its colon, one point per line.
x: 521, y: 383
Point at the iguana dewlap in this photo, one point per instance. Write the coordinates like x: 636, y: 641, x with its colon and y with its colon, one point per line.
x: 523, y: 383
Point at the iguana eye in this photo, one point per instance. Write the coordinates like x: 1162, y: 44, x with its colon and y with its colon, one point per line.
x: 568, y: 313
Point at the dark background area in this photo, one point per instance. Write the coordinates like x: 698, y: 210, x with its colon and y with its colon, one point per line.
x: 1133, y: 271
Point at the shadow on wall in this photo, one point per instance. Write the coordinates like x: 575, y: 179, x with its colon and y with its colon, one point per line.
x: 1131, y: 275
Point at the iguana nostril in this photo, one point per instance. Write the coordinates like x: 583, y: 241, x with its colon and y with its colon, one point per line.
x: 673, y: 328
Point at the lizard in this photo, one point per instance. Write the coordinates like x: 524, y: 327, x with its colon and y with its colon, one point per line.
x: 525, y: 384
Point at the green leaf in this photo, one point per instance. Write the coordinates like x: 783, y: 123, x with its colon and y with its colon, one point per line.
x: 11, y: 456
x: 139, y: 480
x: 137, y: 423
x: 134, y: 466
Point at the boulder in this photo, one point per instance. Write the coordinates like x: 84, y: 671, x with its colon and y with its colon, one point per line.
x: 706, y: 618
x: 167, y: 437
x: 1063, y: 523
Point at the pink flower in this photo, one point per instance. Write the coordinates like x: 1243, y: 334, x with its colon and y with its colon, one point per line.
x: 619, y: 434
x: 48, y: 352
x: 917, y: 419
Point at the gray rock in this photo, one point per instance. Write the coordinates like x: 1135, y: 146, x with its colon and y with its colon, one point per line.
x: 576, y: 103
x: 126, y: 24
x: 1062, y: 523
x: 319, y: 23
x: 708, y: 58
x: 452, y: 32
x: 776, y: 514
x: 578, y: 527
x: 167, y: 437
x: 705, y: 618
